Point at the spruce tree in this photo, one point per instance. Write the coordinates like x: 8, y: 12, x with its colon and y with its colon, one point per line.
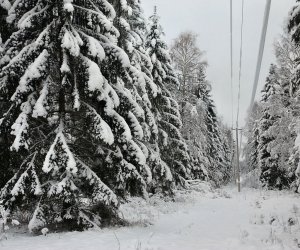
x: 293, y: 28
x: 294, y: 166
x: 172, y: 146
x: 278, y: 132
x: 194, y: 132
x: 252, y: 134
x: 253, y: 161
x: 196, y: 118
x: 218, y: 149
x: 5, y: 155
x: 5, y: 29
x: 273, y: 174
x: 225, y: 143
x: 278, y: 125
x: 132, y: 26
x: 192, y: 111
x: 70, y: 116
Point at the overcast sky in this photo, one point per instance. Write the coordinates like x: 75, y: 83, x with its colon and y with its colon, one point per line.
x: 210, y: 19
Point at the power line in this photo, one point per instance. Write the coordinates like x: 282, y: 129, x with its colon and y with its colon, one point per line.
x: 231, y: 61
x: 238, y: 176
x: 240, y: 66
x: 261, y: 51
x: 231, y: 79
x: 258, y: 69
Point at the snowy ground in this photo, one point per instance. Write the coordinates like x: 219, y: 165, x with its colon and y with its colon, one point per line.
x: 223, y: 220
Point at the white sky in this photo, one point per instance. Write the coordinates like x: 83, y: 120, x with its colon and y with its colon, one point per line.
x: 210, y: 19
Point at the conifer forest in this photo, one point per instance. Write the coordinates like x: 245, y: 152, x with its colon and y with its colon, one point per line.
x: 127, y: 124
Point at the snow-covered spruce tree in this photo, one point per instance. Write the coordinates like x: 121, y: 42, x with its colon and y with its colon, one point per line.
x: 287, y: 128
x: 194, y: 132
x: 253, y: 147
x: 162, y: 176
x: 1, y: 42
x: 128, y: 84
x: 225, y: 154
x: 204, y: 101
x: 251, y: 132
x: 60, y: 75
x: 5, y: 30
x: 283, y: 111
x: 218, y: 150
x: 273, y: 173
x: 294, y: 163
x: 294, y: 31
x: 172, y: 146
x: 6, y: 169
x: 194, y: 129
x: 132, y: 26
x: 188, y: 62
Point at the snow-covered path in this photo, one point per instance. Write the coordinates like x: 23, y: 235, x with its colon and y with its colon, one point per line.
x: 252, y: 220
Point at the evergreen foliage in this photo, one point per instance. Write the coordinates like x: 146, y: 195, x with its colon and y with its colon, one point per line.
x: 274, y: 128
x: 273, y: 175
x: 171, y: 144
x: 252, y: 134
x: 208, y: 140
x: 293, y: 28
x: 87, y: 117
x: 70, y: 113
x: 218, y: 150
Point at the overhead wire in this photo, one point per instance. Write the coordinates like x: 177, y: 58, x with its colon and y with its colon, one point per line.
x: 240, y: 67
x: 257, y: 73
x: 231, y: 61
x: 260, y: 52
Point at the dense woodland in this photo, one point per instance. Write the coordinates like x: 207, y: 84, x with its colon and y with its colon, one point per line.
x: 272, y: 128
x: 94, y: 109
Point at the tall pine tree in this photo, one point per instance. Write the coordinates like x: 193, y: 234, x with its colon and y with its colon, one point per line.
x: 172, y: 146
x: 132, y: 26
x: 252, y: 133
x: 273, y: 174
x: 294, y: 31
x: 218, y: 149
x: 72, y: 118
x: 6, y: 157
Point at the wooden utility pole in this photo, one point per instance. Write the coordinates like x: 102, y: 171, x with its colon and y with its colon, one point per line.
x: 237, y: 172
x: 238, y: 160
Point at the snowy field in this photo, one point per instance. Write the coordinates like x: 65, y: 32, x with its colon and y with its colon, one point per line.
x: 221, y: 220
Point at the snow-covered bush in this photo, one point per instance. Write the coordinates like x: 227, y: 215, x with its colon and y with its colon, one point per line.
x: 252, y: 179
x: 6, y: 222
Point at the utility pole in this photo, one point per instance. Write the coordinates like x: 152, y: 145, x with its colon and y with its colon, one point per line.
x: 237, y: 172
